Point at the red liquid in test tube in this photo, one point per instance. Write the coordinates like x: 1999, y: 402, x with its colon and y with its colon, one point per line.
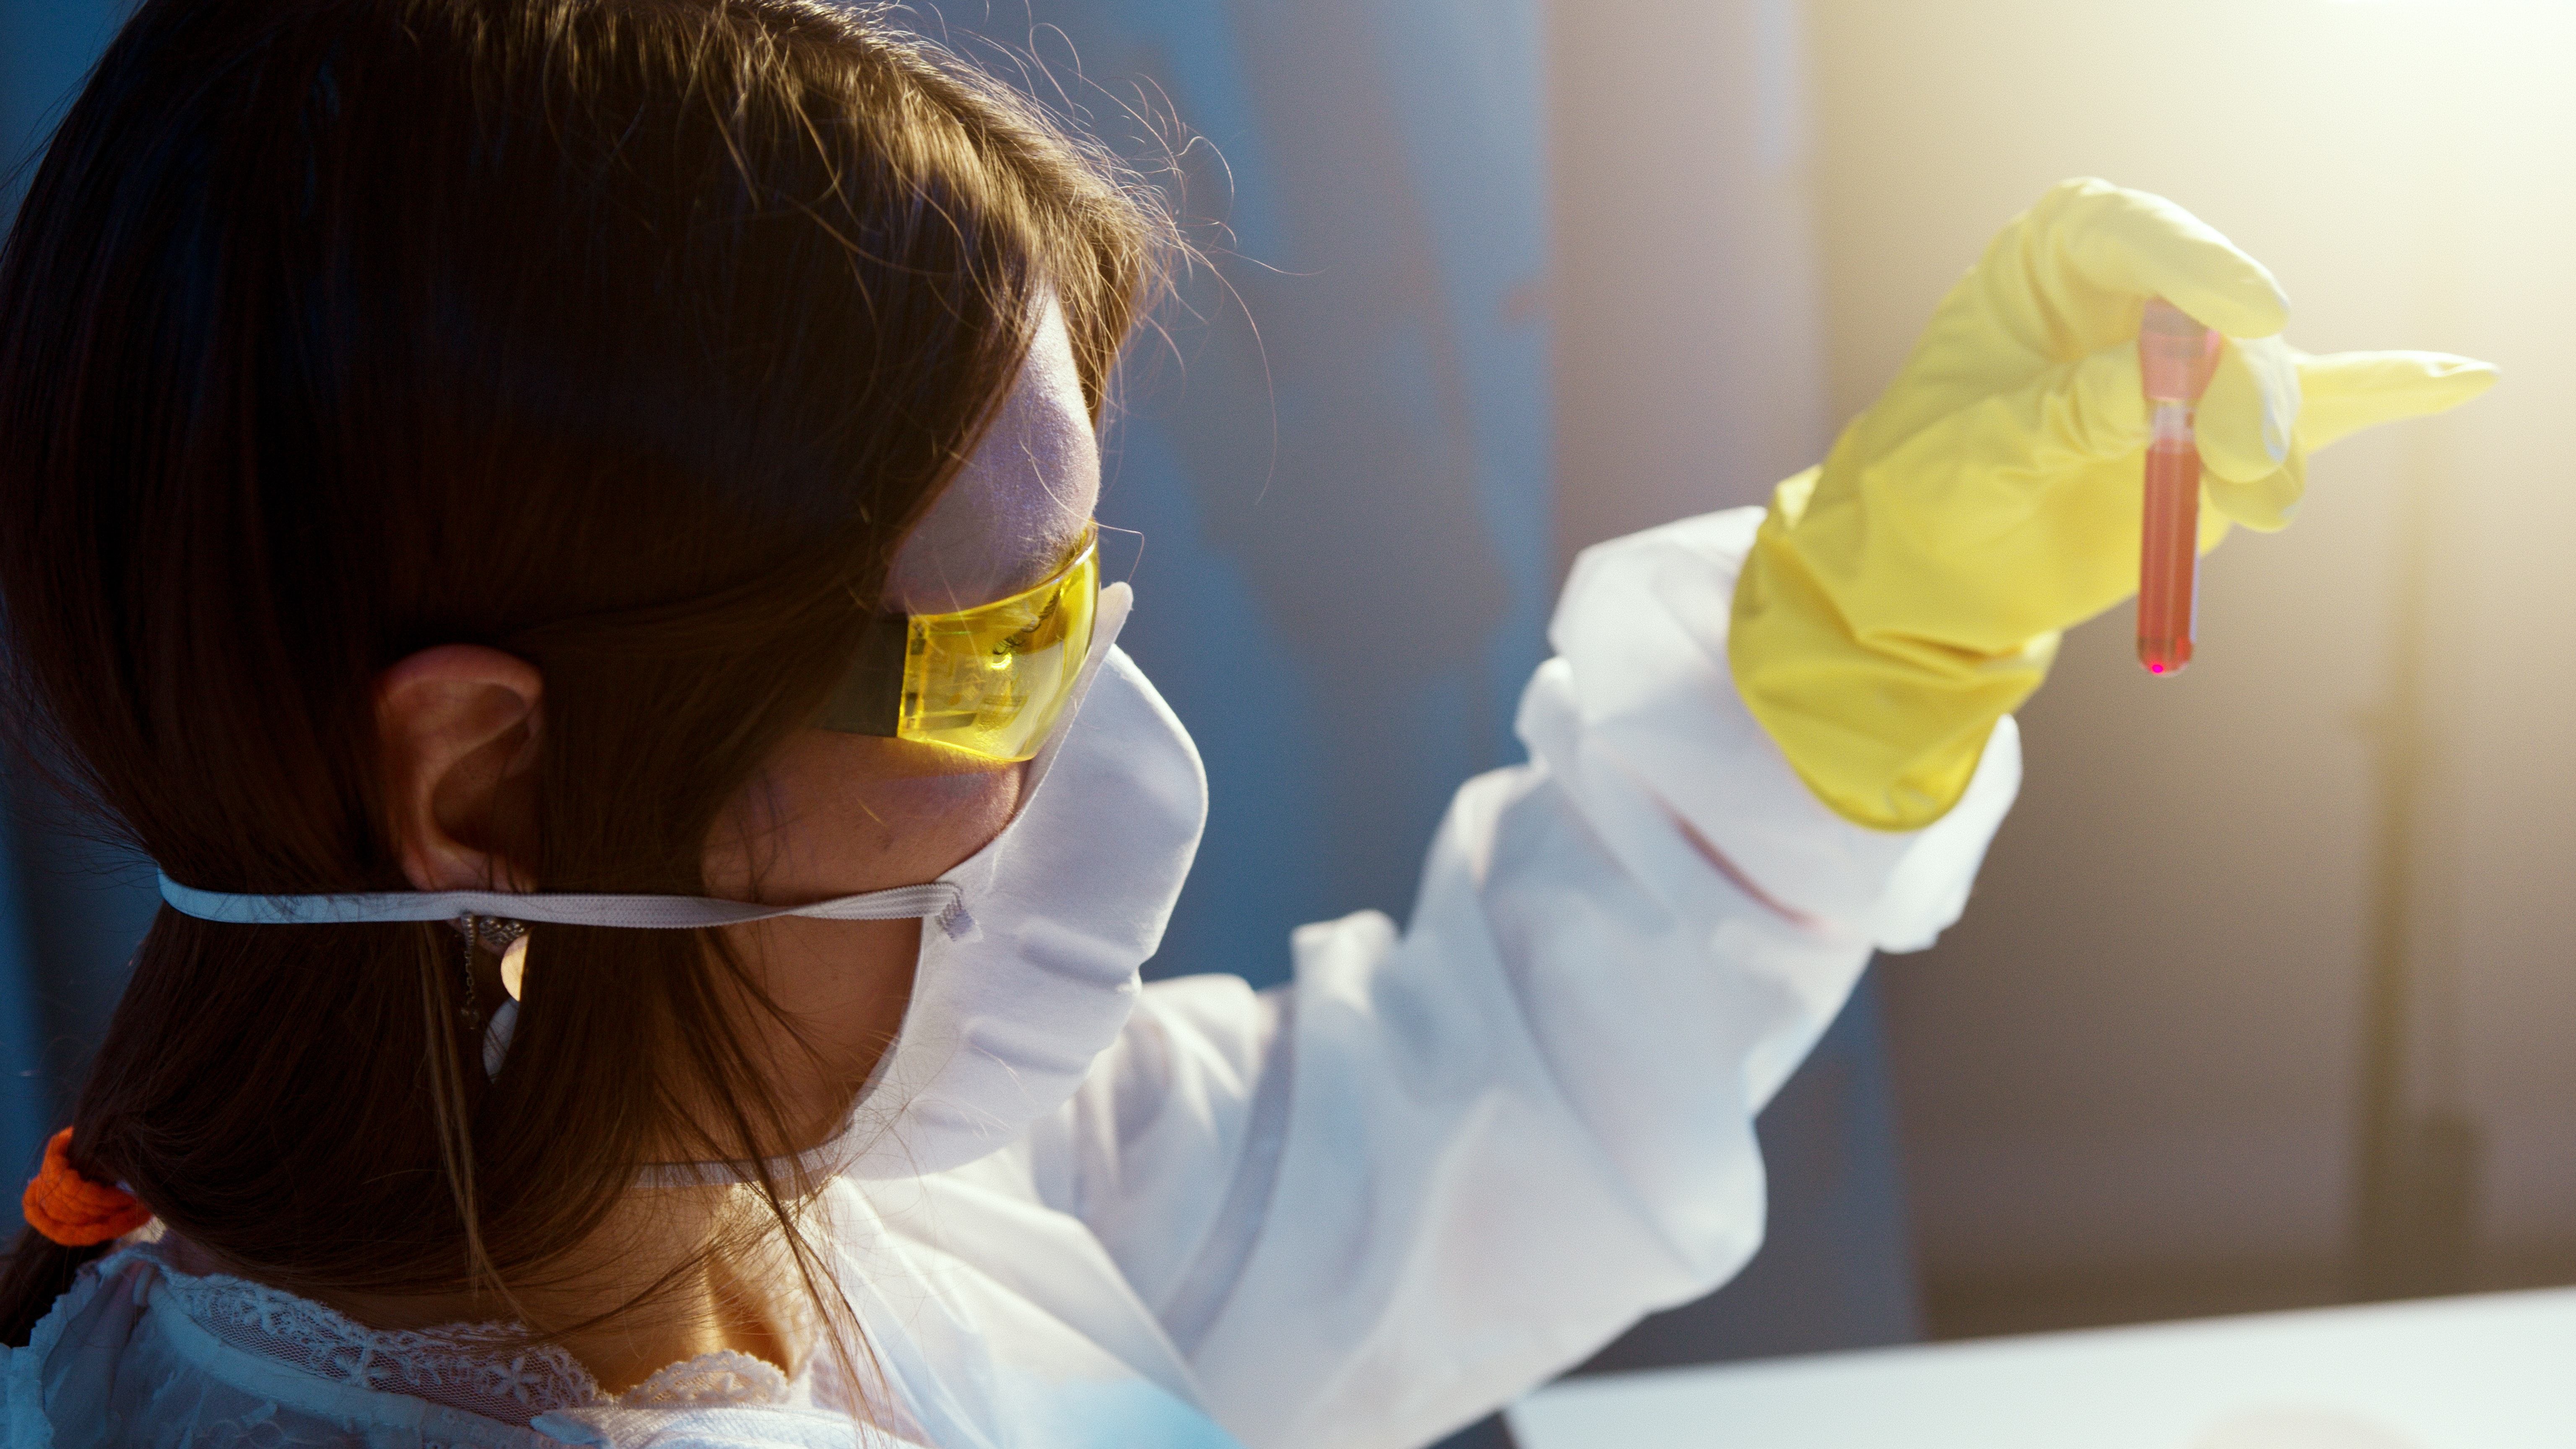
x: 2176, y: 356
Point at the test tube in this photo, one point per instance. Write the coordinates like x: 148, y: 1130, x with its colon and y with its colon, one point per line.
x: 2175, y: 358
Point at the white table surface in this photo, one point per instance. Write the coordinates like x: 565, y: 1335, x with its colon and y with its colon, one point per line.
x: 2490, y: 1371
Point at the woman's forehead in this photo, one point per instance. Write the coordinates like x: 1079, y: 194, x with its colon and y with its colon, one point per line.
x: 1019, y: 502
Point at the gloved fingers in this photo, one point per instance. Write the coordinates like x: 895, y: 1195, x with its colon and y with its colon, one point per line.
x: 2247, y: 421
x: 2264, y: 504
x: 2269, y: 405
x: 2064, y: 280
x: 2095, y: 412
x: 2125, y: 246
x: 2346, y: 392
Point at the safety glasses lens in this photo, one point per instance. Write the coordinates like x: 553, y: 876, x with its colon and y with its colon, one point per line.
x: 993, y: 680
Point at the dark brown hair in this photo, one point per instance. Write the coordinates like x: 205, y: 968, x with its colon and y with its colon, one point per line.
x: 627, y: 336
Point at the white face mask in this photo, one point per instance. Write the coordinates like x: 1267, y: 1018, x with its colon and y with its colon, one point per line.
x: 1031, y: 969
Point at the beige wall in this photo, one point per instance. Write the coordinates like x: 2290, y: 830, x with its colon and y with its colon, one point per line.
x: 1690, y: 369
x: 2136, y: 1062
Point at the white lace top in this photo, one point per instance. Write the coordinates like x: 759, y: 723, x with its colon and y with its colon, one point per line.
x: 142, y: 1353
x: 475, y: 1367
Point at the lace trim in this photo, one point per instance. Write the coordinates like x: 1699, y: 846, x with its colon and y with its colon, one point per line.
x: 482, y: 1368
x: 722, y: 1377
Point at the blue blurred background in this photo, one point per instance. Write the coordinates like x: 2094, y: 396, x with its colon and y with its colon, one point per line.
x: 1446, y: 332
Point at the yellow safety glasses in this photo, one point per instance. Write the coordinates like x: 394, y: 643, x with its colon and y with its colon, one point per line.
x: 989, y: 680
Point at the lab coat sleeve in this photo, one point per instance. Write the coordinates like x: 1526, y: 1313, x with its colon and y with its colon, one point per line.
x: 1446, y: 1163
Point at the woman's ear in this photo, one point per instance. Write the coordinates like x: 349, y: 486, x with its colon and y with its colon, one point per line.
x: 457, y: 729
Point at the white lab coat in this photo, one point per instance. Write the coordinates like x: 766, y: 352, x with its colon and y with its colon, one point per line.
x: 1362, y: 1209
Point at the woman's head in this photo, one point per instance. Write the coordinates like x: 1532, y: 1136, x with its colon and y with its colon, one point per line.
x: 631, y: 340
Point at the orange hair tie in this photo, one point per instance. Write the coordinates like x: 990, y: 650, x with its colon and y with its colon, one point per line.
x: 71, y: 1209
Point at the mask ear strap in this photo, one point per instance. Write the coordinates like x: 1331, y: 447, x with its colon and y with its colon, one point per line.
x: 935, y: 900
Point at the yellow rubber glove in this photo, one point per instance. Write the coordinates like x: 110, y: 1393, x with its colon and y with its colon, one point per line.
x: 1909, y: 593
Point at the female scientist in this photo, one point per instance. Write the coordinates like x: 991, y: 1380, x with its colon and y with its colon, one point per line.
x: 564, y: 527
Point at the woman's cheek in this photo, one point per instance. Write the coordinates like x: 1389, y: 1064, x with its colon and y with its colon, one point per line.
x: 841, y: 814
x: 927, y: 825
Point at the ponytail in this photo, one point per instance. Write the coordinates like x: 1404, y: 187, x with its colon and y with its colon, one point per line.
x: 40, y: 1270
x: 71, y: 1219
